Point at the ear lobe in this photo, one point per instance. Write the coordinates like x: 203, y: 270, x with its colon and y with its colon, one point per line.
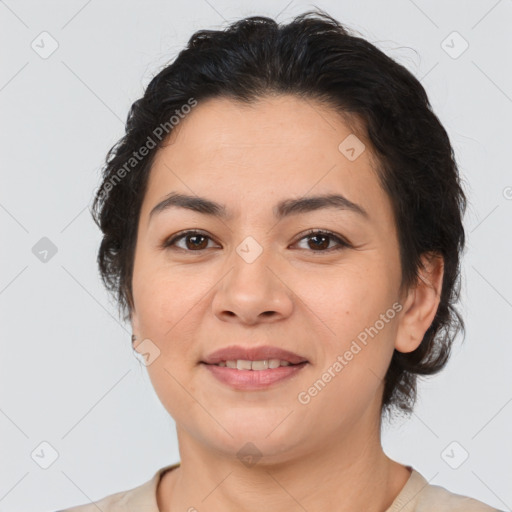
x: 421, y: 304
x: 134, y: 320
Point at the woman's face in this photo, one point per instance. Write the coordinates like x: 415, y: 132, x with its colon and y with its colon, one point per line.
x: 256, y: 277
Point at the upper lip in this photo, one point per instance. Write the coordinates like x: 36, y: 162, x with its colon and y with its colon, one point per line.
x: 235, y: 352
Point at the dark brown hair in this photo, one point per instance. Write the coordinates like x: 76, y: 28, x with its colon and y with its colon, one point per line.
x: 313, y: 57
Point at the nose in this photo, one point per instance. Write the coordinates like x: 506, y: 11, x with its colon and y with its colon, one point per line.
x: 253, y: 292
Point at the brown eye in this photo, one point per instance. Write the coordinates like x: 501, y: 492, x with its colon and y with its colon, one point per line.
x: 193, y: 241
x: 196, y: 242
x: 319, y: 241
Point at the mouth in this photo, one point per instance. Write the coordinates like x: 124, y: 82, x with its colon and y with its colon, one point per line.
x: 259, y: 375
x: 262, y: 364
x: 253, y: 358
x: 253, y: 368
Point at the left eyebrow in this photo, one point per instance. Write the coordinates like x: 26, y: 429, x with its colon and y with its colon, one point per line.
x: 283, y: 209
x: 311, y: 203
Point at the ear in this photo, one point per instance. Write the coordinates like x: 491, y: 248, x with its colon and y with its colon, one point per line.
x: 421, y: 303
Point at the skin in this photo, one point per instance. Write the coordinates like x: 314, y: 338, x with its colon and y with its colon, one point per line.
x: 315, y: 456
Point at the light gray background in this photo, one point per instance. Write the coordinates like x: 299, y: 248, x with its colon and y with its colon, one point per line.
x: 68, y: 374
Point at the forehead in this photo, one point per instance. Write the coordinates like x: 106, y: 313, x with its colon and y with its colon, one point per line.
x: 277, y: 147
x: 278, y: 121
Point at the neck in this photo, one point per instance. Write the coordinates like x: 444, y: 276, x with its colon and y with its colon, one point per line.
x: 343, y: 476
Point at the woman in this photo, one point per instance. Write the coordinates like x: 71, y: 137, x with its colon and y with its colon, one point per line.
x: 282, y: 228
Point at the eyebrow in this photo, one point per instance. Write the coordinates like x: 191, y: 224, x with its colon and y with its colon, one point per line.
x: 283, y: 209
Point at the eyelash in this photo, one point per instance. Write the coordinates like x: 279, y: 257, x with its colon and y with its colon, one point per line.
x: 342, y: 244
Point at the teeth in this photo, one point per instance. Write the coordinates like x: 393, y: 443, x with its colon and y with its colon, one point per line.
x: 265, y: 364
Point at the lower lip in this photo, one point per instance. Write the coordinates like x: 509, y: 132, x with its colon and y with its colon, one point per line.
x: 253, y: 379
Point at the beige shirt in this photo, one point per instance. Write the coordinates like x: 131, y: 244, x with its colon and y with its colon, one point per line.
x: 416, y: 496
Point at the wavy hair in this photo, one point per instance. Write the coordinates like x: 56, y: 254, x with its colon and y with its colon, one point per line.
x: 313, y: 57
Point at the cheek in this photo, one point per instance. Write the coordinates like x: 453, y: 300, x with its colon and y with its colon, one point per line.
x: 351, y: 297
x: 168, y: 304
x: 354, y: 318
x: 163, y: 296
x: 164, y: 310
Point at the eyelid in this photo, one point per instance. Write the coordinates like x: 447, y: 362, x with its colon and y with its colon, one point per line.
x: 171, y: 240
x: 341, y: 241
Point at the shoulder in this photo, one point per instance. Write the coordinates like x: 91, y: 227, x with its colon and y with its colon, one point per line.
x: 141, y: 498
x: 440, y: 499
x: 420, y: 496
x: 111, y: 503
